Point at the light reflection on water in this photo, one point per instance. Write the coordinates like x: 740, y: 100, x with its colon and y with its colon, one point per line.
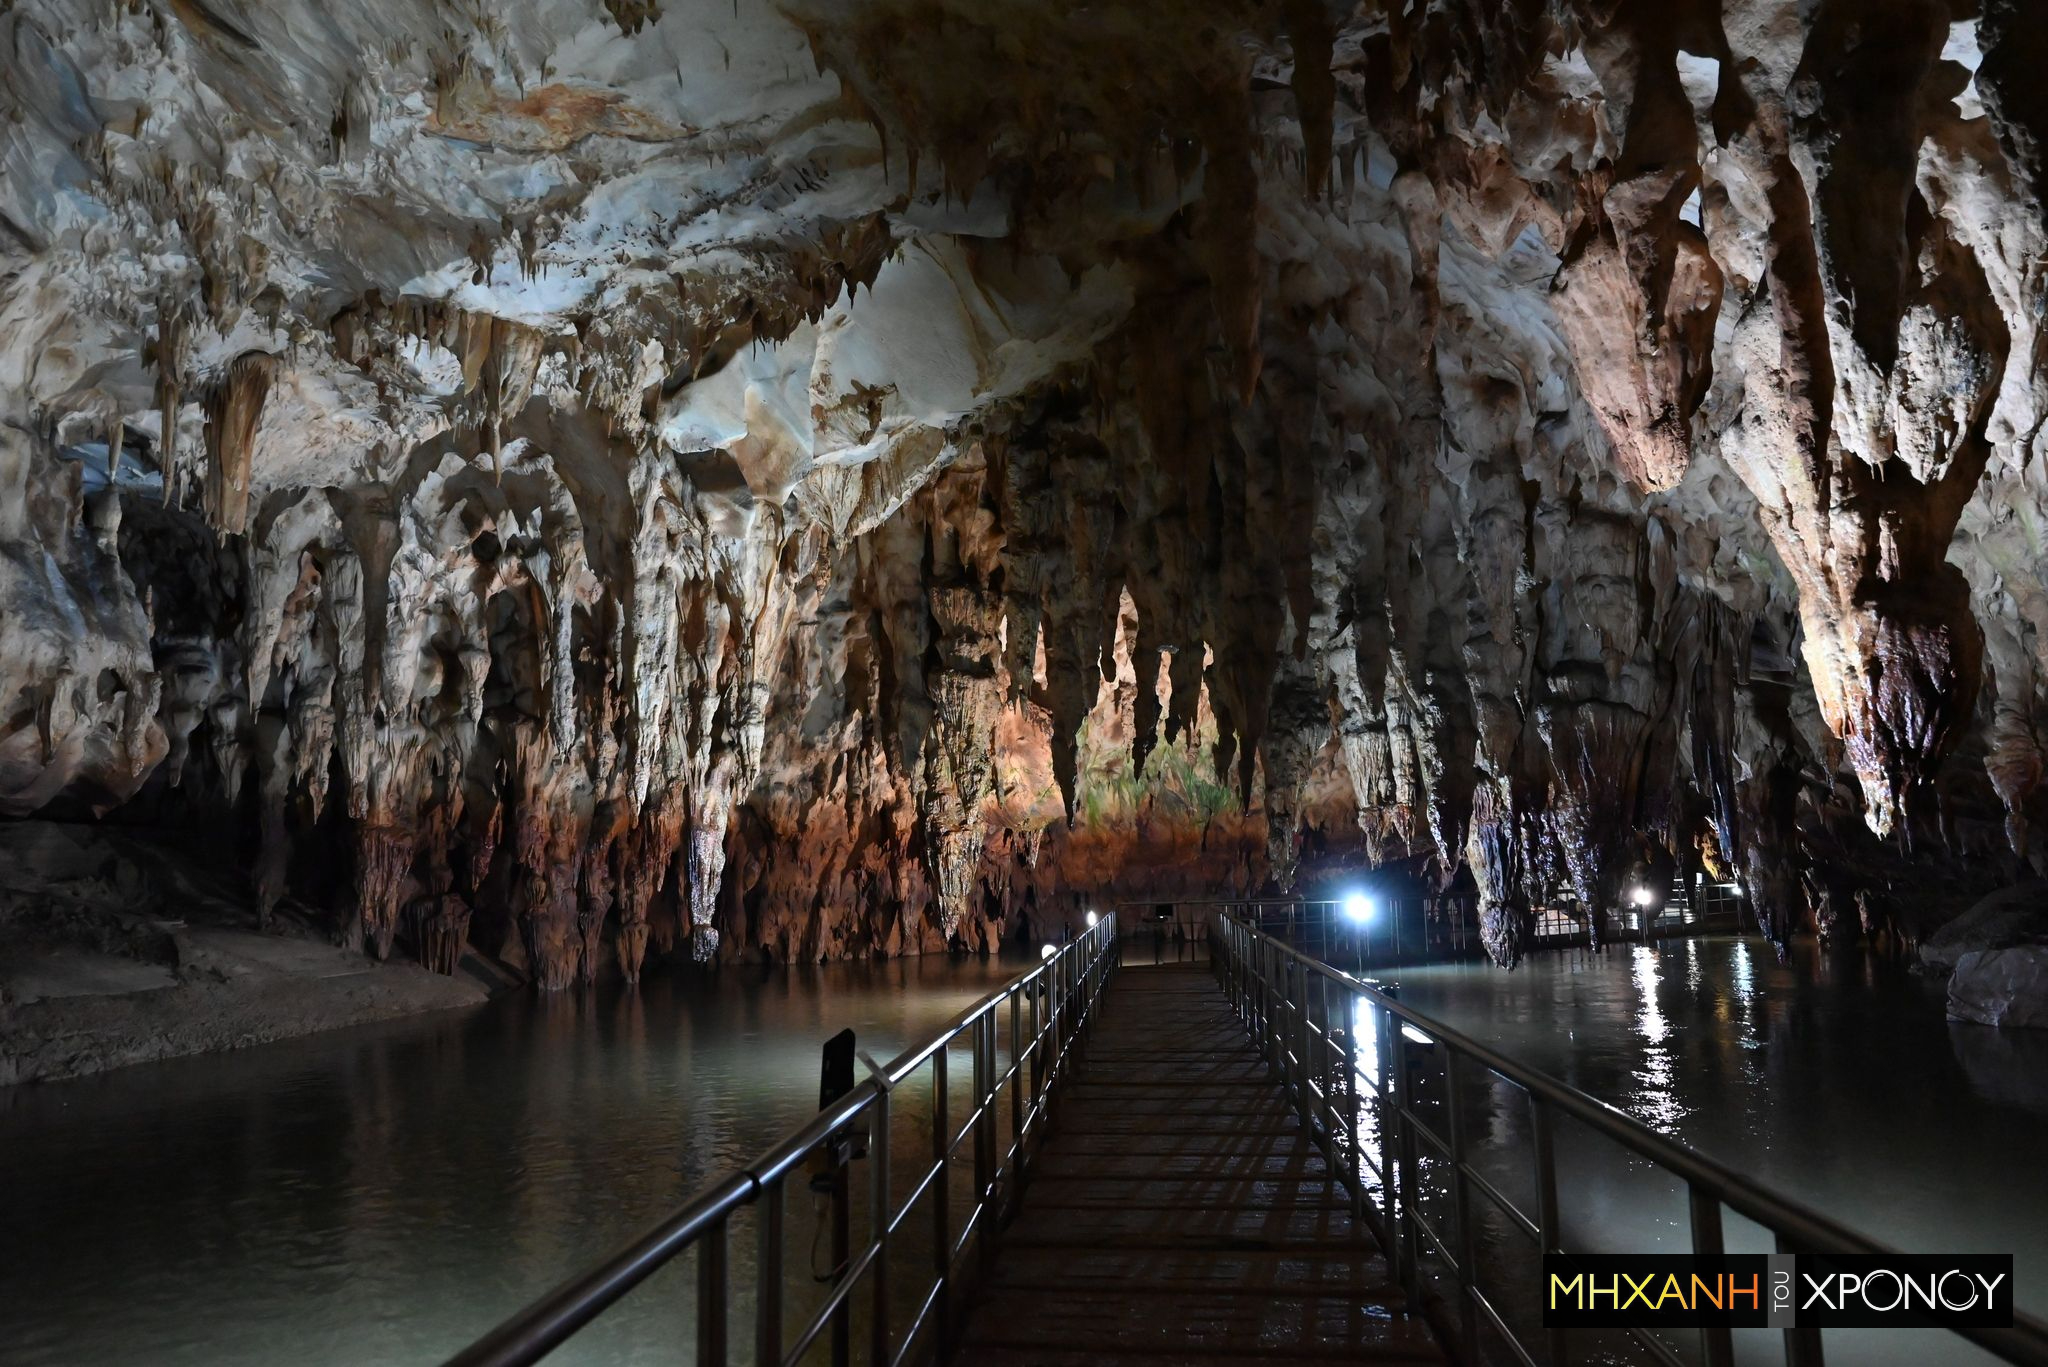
x: 1837, y: 1082
x: 384, y: 1195
x: 1653, y: 1100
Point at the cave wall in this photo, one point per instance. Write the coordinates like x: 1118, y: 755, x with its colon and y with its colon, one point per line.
x: 606, y: 481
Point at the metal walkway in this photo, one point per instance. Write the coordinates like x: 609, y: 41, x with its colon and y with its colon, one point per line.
x: 1104, y: 1163
x: 1179, y: 1210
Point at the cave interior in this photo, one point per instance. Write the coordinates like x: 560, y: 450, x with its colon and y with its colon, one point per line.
x: 591, y: 484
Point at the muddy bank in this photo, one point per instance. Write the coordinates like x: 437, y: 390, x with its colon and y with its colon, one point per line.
x: 115, y: 950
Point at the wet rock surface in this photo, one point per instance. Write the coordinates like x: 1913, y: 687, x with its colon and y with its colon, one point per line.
x: 584, y: 483
x: 2008, y: 919
x: 2005, y: 987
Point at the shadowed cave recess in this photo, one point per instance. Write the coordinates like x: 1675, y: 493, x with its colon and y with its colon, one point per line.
x: 721, y: 480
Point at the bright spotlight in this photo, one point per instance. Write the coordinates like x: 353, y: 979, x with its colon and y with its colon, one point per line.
x: 1640, y: 896
x: 1414, y: 1036
x: 1357, y: 908
x: 1046, y: 951
x: 1092, y: 919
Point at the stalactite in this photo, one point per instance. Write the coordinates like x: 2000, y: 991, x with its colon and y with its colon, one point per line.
x: 232, y: 419
x: 704, y: 866
x: 758, y: 538
x: 547, y: 836
x: 648, y: 855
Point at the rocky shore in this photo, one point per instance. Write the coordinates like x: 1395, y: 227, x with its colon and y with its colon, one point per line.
x: 115, y: 950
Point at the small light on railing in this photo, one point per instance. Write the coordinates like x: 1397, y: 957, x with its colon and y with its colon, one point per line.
x: 1414, y: 1036
x: 1046, y: 951
x: 1640, y: 896
x: 1357, y: 908
x: 1093, y: 918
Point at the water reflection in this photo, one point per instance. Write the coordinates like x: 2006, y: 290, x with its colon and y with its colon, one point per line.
x: 1369, y: 1078
x: 1838, y: 1083
x: 1654, y: 1100
x: 2004, y: 1067
x: 383, y: 1195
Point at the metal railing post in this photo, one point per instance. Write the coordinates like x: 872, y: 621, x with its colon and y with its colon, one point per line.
x: 1286, y: 1036
x: 842, y: 1258
x: 1275, y: 1009
x: 1055, y: 1020
x: 1461, y: 1203
x: 1247, y: 994
x: 768, y: 1275
x: 1241, y: 955
x: 711, y: 1288
x: 1256, y: 974
x: 1547, y: 1219
x: 1717, y: 1345
x: 1384, y: 1038
x: 1325, y: 1071
x: 1223, y: 953
x: 1351, y: 1100
x: 1239, y: 978
x: 1068, y: 972
x: 1056, y: 993
x: 1016, y: 1182
x: 1256, y: 950
x: 1387, y: 1037
x: 1303, y: 1097
x: 984, y: 1134
x: 942, y: 1203
x: 1037, y: 1039
x: 1402, y: 1139
x: 1283, y: 1011
x: 878, y: 1229
x: 1283, y: 1020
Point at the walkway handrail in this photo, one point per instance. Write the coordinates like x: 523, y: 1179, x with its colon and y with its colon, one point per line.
x: 1316, y: 1055
x: 1061, y: 995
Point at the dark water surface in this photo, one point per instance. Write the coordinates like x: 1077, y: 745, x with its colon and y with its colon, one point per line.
x: 1834, y: 1080
x: 384, y: 1195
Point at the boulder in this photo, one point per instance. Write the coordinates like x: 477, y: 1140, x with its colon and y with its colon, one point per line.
x: 2006, y: 919
x: 2005, y: 987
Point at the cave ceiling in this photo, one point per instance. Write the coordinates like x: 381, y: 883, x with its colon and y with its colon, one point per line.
x: 838, y: 478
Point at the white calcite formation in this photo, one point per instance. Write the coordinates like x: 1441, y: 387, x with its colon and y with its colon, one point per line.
x: 858, y: 475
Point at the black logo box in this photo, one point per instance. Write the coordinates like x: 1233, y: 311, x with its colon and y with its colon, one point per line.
x: 1777, y: 1291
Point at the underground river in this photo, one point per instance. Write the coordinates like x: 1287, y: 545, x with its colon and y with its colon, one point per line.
x: 383, y: 1195
x: 1833, y: 1079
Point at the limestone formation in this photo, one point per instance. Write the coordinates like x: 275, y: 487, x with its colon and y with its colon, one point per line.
x: 591, y: 481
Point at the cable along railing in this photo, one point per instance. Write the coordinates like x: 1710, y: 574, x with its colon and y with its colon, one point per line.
x: 1387, y: 1095
x: 870, y: 1307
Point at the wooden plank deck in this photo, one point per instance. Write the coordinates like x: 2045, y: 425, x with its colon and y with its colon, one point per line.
x: 1180, y: 1214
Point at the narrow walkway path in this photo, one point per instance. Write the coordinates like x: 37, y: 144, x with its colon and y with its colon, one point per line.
x: 1180, y: 1213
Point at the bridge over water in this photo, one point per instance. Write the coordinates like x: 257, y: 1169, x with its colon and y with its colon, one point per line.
x: 1180, y: 1208
x: 1253, y: 1158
